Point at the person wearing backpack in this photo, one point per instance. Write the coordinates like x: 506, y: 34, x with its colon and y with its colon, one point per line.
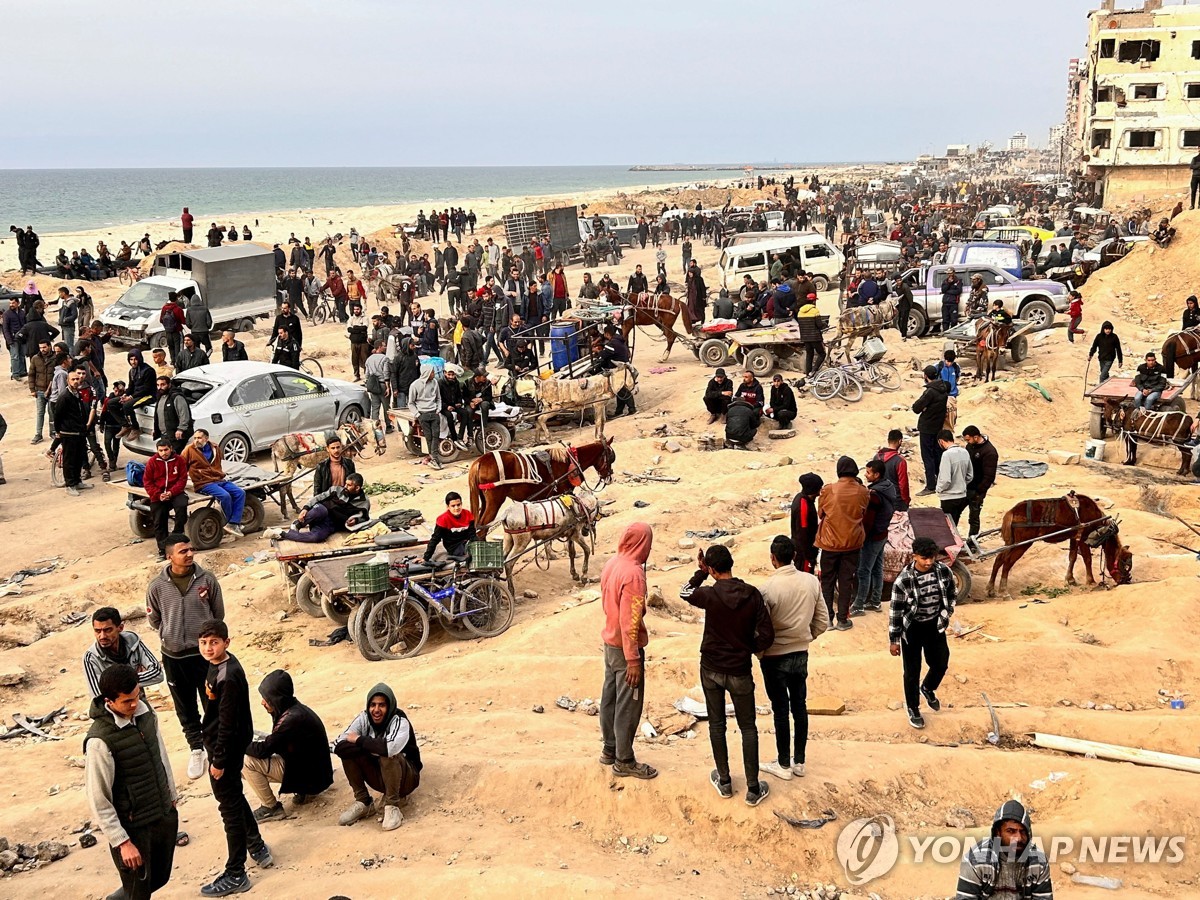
x: 172, y: 318
x: 378, y: 370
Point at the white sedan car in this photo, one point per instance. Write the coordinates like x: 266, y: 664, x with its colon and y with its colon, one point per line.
x: 247, y: 406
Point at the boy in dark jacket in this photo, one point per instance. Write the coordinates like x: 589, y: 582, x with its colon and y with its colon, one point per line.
x: 228, y: 728
x: 896, y: 467
x: 805, y: 521
x: 295, y: 755
x: 379, y: 750
x: 1107, y: 346
x: 737, y: 625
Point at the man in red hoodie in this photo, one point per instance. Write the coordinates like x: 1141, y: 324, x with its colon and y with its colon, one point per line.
x: 165, y: 481
x: 623, y: 592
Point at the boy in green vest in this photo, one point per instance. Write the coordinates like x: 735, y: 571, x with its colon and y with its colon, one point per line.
x: 129, y: 784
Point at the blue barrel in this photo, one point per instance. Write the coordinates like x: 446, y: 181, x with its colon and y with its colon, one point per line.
x: 564, y: 345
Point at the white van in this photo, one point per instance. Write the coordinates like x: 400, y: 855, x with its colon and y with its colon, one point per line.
x: 821, y: 259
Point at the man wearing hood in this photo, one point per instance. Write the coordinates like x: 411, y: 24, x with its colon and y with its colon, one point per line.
x: 379, y: 751
x: 1007, y: 864
x: 425, y: 400
x: 804, y: 521
x: 199, y: 322
x: 742, y: 419
x: 295, y: 755
x: 115, y: 646
x: 141, y: 383
x: 737, y: 625
x: 129, y: 784
x: 840, y: 537
x: 1107, y: 346
x: 931, y: 418
x: 623, y: 596
x: 882, y: 499
x: 172, y: 415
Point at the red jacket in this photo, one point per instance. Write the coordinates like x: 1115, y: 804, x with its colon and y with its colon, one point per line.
x: 1076, y: 308
x: 165, y: 475
x: 176, y: 310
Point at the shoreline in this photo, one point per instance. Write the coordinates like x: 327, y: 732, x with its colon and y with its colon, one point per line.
x: 278, y: 225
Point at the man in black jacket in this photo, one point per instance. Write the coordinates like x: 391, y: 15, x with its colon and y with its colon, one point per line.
x: 289, y: 320
x: 232, y: 350
x: 742, y: 419
x: 638, y: 283
x: 737, y: 625
x: 172, y: 415
x: 454, y: 406
x: 70, y: 421
x: 477, y: 394
x: 782, y: 405
x: 904, y: 301
x: 984, y: 460
x: 717, y: 395
x: 931, y: 410
x: 295, y: 755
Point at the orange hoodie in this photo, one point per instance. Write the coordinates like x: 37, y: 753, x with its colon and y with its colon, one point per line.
x: 623, y: 592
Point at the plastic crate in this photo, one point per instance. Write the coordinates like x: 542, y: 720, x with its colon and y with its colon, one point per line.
x: 367, y: 578
x: 486, y: 556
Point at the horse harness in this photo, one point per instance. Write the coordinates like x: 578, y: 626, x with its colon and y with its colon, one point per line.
x: 1152, y: 426
x: 530, y: 466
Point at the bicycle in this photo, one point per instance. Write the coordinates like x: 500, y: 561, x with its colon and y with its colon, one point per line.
x: 310, y: 365
x: 130, y: 275
x: 322, y: 310
x: 397, y: 625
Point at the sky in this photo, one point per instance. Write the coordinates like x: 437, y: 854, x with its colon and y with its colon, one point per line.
x: 614, y: 82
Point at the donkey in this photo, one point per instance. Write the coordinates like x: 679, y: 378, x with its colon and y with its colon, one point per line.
x: 306, y: 450
x: 990, y: 340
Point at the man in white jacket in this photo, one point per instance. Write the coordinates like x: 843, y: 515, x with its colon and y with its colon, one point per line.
x: 799, y: 616
x: 954, y: 474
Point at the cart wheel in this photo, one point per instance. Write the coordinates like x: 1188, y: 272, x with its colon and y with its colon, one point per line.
x: 204, y: 528
x: 336, y: 609
x: 412, y: 444
x: 254, y: 515
x: 1177, y: 404
x: 447, y: 452
x: 714, y: 352
x: 308, y: 598
x: 140, y: 524
x: 1018, y: 350
x: 1096, y: 426
x: 962, y: 580
x: 496, y: 437
x: 760, y: 362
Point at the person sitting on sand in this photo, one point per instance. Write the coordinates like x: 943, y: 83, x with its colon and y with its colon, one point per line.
x: 337, y: 509
x: 379, y: 750
x: 742, y: 419
x: 295, y: 755
x: 717, y: 395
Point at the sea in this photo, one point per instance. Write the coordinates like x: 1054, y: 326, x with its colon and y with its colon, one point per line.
x: 54, y: 200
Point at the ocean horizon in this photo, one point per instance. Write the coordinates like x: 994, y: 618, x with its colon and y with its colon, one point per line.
x: 65, y: 200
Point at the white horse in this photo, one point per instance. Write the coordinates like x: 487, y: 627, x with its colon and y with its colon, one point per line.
x: 570, y: 517
x: 561, y: 395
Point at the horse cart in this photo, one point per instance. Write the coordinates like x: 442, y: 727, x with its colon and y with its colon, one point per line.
x: 760, y: 349
x: 1110, y: 396
x: 931, y: 523
x: 498, y: 434
x: 206, y: 523
x: 962, y: 339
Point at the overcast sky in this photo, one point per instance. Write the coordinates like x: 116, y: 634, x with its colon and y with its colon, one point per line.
x: 464, y: 82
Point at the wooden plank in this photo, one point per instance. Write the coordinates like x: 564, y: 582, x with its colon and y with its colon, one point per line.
x: 1117, y: 752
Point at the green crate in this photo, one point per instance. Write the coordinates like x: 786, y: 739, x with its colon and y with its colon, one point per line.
x: 367, y: 578
x: 486, y: 556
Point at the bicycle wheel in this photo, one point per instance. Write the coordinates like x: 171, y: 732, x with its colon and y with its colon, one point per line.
x: 826, y: 383
x: 885, y: 375
x: 851, y: 389
x: 56, y: 469
x: 397, y: 628
x: 320, y: 314
x: 489, y: 606
x: 311, y: 366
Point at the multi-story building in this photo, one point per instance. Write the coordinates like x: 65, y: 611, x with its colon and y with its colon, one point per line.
x: 1019, y: 141
x: 1140, y: 98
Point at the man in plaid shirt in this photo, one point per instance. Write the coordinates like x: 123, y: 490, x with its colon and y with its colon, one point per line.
x: 923, y: 597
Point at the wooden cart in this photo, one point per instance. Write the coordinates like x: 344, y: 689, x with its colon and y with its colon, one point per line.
x: 961, y: 339
x: 1110, y: 395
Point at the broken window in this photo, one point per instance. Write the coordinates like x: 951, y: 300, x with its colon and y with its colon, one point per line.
x: 1104, y: 95
x: 1195, y: 49
x: 1143, y: 139
x: 1108, y: 48
x: 1193, y: 91
x: 1191, y: 138
x: 1101, y: 138
x: 1145, y: 91
x: 1136, y: 51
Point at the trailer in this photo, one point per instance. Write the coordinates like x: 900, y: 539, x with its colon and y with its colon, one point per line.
x: 1110, y: 395
x: 961, y: 339
x: 561, y: 224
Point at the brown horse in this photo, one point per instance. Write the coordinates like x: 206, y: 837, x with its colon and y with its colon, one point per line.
x: 1075, y: 518
x: 503, y: 475
x: 1144, y: 426
x: 990, y: 340
x: 660, y: 311
x: 1182, y: 347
